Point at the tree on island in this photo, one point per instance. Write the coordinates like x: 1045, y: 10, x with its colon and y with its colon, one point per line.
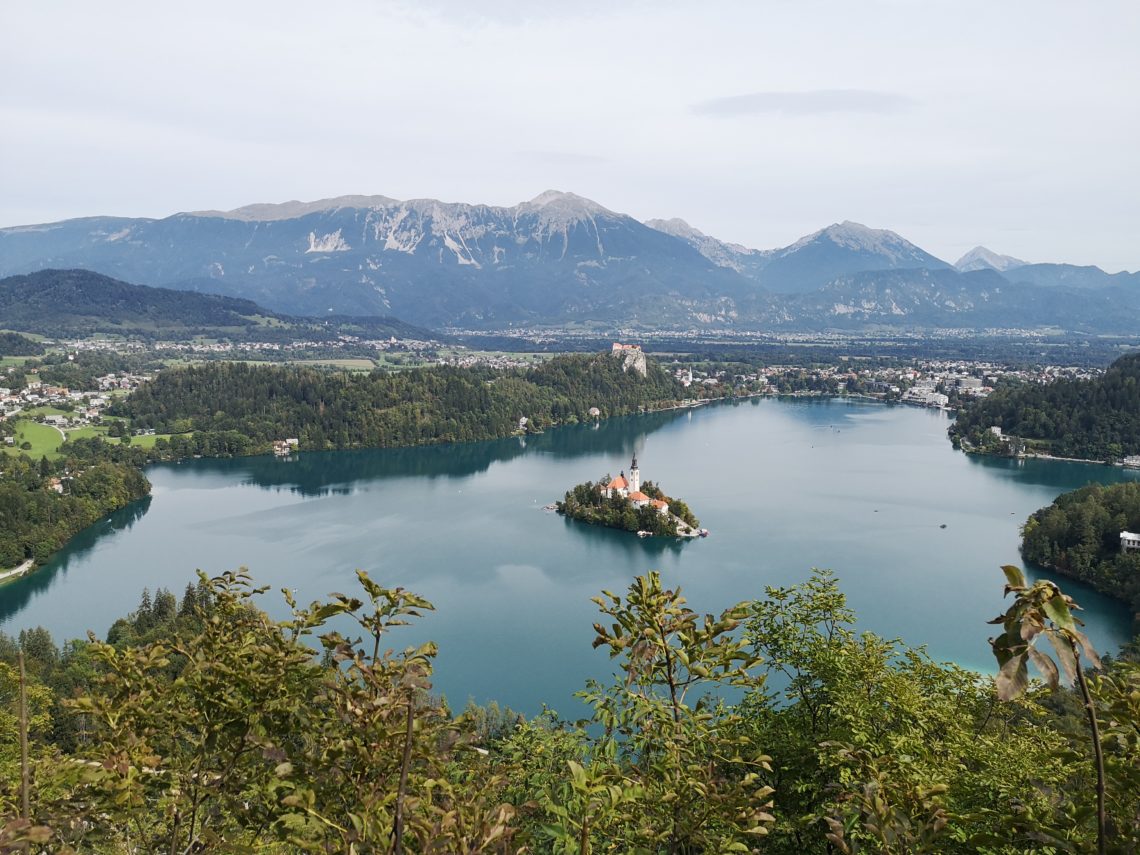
x: 588, y: 503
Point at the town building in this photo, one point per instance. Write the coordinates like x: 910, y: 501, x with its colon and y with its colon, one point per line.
x: 1129, y: 541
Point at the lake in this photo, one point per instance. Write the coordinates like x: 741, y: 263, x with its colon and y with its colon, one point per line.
x: 915, y: 531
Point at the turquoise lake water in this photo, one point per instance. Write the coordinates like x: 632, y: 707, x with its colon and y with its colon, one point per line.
x: 783, y: 485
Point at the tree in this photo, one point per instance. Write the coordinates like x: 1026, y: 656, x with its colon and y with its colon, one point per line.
x: 879, y: 749
x: 692, y: 783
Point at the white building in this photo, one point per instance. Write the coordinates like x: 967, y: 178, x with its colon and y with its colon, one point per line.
x: 624, y: 486
x: 630, y: 488
x: 1129, y: 541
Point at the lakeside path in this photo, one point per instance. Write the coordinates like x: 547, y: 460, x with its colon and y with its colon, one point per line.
x: 1066, y: 459
x: 17, y: 571
x: 1039, y: 456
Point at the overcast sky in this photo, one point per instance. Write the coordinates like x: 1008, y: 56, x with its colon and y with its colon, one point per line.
x: 1010, y: 124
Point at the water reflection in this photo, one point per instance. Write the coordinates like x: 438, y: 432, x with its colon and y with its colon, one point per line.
x: 635, y: 549
x: 1055, y: 474
x: 18, y: 593
x: 782, y: 485
x: 313, y: 474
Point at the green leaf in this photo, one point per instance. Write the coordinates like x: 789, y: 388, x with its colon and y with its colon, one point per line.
x: 1014, y: 577
x: 577, y: 773
x: 328, y: 610
x: 374, y: 591
x: 1058, y: 611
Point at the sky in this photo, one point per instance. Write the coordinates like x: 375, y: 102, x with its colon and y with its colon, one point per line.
x: 1015, y: 125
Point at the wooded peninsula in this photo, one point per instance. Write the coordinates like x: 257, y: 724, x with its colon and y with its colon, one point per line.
x: 1079, y: 535
x: 1095, y: 419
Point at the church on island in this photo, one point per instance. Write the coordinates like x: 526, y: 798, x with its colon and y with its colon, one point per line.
x: 630, y: 488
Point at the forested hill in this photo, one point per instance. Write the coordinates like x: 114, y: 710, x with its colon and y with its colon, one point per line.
x: 14, y: 344
x: 340, y: 410
x: 1093, y: 419
x: 1079, y: 535
x: 80, y: 302
x: 44, y: 504
x: 52, y: 301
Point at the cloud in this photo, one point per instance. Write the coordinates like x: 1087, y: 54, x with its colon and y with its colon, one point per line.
x: 813, y: 102
x: 561, y: 158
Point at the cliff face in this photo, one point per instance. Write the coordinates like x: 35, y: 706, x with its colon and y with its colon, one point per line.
x: 632, y: 358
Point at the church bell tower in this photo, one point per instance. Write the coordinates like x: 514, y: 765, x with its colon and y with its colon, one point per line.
x: 634, y: 476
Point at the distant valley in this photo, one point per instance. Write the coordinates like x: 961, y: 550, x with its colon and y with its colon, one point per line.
x: 562, y: 259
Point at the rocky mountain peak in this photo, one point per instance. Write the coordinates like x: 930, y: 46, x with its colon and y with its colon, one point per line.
x: 267, y: 211
x: 890, y: 248
x: 851, y: 235
x: 558, y: 206
x: 676, y: 227
x: 980, y: 258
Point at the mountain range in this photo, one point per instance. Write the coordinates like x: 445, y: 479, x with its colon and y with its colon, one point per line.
x: 560, y: 258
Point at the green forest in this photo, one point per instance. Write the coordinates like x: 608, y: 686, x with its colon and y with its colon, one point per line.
x: 588, y: 504
x: 36, y: 520
x: 204, y: 725
x: 14, y: 344
x: 1079, y: 535
x: 1090, y: 419
x: 352, y: 410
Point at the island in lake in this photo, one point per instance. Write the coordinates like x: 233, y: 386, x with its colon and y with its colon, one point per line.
x: 626, y: 503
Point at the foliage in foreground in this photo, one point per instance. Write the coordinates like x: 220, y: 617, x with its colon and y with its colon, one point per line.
x: 773, y: 726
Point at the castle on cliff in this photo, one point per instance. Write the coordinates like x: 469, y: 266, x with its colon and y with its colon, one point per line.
x: 631, y: 356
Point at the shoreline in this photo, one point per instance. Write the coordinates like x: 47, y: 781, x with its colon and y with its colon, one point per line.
x: 1053, y: 569
x: 22, y: 570
x: 1039, y: 456
x: 648, y: 553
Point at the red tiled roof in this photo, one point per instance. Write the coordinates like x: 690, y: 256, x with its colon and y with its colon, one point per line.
x: 619, y: 483
x: 639, y: 496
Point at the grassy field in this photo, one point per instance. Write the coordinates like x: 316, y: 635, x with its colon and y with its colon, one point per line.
x: 87, y: 432
x: 91, y: 431
x: 146, y: 441
x: 45, y: 440
x: 350, y: 364
x: 47, y: 411
x: 8, y: 361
